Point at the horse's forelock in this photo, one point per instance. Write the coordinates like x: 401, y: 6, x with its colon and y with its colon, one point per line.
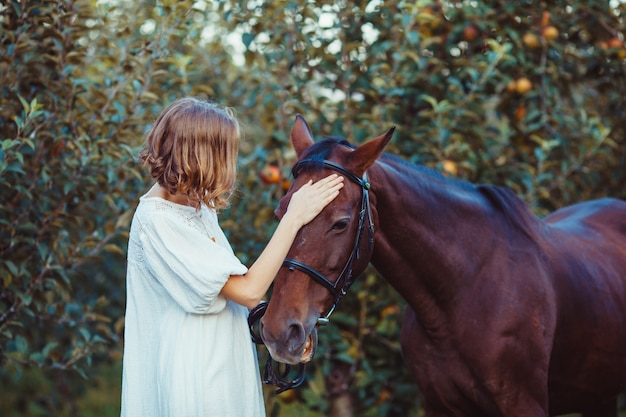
x: 321, y: 151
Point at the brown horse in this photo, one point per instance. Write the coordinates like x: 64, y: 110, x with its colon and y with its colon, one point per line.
x: 508, y: 315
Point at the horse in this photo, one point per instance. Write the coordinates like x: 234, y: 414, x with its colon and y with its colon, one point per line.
x: 507, y: 314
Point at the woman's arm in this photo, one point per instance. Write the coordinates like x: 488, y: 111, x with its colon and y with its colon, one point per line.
x: 305, y: 204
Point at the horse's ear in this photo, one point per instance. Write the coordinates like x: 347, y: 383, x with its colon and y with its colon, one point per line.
x: 301, y: 136
x: 365, y: 155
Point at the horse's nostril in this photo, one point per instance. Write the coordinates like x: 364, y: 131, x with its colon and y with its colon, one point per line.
x: 294, y: 337
x: 289, y: 339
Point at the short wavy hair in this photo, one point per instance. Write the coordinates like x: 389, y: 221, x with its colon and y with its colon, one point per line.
x: 192, y: 150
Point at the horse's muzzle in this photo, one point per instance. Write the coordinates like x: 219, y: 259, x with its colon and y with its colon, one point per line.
x: 292, y: 345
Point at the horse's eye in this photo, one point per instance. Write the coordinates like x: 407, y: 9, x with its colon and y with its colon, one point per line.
x: 340, y: 225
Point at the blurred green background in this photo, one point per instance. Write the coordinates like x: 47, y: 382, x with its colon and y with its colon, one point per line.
x: 527, y: 94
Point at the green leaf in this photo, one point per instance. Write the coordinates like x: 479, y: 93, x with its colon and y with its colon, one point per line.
x: 37, y: 358
x: 85, y: 334
x: 8, y: 144
x: 12, y: 268
x: 19, y: 122
x: 49, y: 348
x: 21, y: 344
x: 25, y: 104
x: 80, y: 371
x: 25, y: 298
x: 247, y: 38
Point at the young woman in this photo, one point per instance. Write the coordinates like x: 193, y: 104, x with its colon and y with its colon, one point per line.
x: 187, y: 347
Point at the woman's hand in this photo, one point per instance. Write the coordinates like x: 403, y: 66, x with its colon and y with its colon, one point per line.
x: 311, y: 198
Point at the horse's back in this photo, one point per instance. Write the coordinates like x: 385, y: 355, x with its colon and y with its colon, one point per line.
x: 606, y: 215
x: 588, y: 257
x: 586, y: 244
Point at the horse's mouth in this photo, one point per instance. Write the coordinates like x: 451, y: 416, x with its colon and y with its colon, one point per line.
x: 309, y: 347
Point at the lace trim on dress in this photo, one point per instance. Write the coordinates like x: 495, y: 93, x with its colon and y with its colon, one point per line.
x: 190, y: 216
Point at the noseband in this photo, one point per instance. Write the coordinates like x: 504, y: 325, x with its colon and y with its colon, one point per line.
x: 338, y: 289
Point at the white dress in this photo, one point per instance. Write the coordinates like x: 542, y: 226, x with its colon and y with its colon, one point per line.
x: 187, y: 350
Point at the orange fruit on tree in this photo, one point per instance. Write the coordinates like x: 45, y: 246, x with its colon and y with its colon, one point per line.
x: 523, y: 85
x: 530, y: 40
x: 614, y: 43
x: 511, y: 87
x: 449, y: 167
x: 470, y: 33
x: 383, y: 396
x: 389, y: 310
x: 270, y: 174
x: 550, y: 33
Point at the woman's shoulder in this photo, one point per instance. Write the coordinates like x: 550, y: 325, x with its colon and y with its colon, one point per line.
x: 155, y: 209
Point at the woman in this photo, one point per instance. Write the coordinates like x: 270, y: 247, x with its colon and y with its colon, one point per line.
x: 187, y: 347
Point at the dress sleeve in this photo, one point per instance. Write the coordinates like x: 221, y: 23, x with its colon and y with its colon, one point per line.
x: 190, y: 266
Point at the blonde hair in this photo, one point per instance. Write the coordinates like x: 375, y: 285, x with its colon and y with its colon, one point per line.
x: 192, y: 149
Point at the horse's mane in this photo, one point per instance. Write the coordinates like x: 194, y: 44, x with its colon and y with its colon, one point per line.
x: 503, y: 200
x: 514, y: 210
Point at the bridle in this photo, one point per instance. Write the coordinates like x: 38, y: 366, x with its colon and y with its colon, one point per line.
x: 338, y: 289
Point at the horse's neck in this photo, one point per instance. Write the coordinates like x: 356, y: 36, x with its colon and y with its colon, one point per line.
x: 432, y: 234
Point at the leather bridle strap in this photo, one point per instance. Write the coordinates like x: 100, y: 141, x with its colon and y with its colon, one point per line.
x: 335, y: 167
x: 318, y: 277
x: 272, y: 373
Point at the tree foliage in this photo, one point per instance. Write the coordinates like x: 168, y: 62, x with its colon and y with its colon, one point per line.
x: 529, y: 95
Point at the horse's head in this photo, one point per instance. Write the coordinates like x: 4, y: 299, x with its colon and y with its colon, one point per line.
x: 329, y: 252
